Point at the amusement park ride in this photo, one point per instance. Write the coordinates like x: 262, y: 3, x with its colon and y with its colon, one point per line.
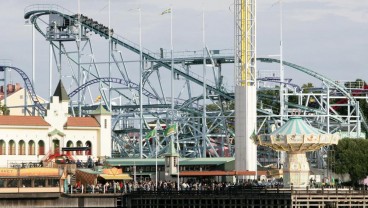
x: 115, y: 78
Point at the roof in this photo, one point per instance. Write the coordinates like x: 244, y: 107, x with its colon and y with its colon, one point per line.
x: 61, y: 92
x: 107, y: 174
x: 100, y: 111
x: 23, y: 121
x: 296, y: 126
x: 82, y: 122
x: 125, y: 162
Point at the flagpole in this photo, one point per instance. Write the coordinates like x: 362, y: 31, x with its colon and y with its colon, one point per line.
x: 140, y: 86
x: 172, y: 64
x: 156, y: 153
x: 172, y: 86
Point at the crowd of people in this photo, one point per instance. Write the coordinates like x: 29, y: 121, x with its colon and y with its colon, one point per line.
x: 149, y: 185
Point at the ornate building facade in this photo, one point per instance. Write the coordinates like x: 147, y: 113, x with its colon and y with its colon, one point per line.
x: 36, y: 138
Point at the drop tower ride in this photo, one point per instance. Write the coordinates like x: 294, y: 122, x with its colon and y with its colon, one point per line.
x: 245, y: 85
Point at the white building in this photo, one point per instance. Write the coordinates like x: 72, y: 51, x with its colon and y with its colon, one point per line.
x: 34, y: 138
x: 17, y: 98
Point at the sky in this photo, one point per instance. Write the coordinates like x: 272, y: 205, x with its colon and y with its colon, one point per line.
x: 327, y: 36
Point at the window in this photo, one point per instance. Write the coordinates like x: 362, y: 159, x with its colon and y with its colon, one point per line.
x: 89, y: 144
x: 41, y: 148
x: 22, y: 148
x: 40, y: 182
x: 26, y: 183
x: 12, y: 183
x: 56, y: 145
x: 21, y: 97
x: 105, y: 123
x: 2, y: 147
x: 31, y: 147
x: 69, y: 144
x: 79, y: 144
x: 11, y: 147
x: 54, y: 182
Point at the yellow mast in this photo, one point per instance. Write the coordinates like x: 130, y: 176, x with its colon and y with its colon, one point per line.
x: 245, y: 81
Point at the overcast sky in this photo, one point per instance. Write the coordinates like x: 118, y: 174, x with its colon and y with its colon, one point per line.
x: 328, y: 36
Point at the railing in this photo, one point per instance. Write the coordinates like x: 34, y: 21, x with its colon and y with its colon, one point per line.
x: 237, y: 190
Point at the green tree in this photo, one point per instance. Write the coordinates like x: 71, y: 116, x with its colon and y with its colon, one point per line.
x: 306, y: 87
x: 4, y: 110
x: 351, y: 157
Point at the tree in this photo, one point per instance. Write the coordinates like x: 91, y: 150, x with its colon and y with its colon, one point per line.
x: 4, y: 110
x: 351, y: 156
x: 307, y: 87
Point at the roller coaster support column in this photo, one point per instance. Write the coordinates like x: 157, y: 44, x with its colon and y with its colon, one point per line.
x: 50, y: 70
x: 282, y: 77
x: 79, y: 41
x: 204, y: 122
x: 33, y: 56
x: 245, y: 89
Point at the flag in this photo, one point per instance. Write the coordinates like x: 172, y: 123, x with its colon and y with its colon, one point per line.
x: 167, y: 11
x: 98, y: 98
x: 170, y: 130
x: 151, y: 134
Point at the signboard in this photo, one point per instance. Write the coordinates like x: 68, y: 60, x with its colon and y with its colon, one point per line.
x: 8, y: 172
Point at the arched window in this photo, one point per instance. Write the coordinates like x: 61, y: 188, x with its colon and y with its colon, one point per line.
x: 11, y: 147
x: 89, y: 144
x: 69, y: 144
x: 31, y: 147
x: 41, y: 147
x: 22, y: 148
x: 56, y: 145
x: 79, y: 144
x: 2, y: 147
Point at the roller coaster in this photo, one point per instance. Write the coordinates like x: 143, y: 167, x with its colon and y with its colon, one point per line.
x: 115, y: 79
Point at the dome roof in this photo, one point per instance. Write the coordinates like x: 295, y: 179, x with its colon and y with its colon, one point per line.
x: 296, y: 136
x: 296, y: 126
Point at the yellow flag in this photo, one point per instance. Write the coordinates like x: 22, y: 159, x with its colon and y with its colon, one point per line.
x: 167, y: 11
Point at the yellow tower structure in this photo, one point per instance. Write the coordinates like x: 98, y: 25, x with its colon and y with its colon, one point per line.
x: 245, y: 89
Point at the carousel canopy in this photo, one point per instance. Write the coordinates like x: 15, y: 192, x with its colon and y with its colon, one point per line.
x: 296, y: 136
x: 296, y: 125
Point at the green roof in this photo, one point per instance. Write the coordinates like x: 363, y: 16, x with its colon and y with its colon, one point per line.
x: 90, y: 171
x: 61, y: 92
x: 296, y: 126
x: 100, y: 110
x: 124, y: 162
x: 54, y: 132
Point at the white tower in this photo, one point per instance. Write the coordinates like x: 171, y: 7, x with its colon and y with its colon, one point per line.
x: 104, y: 144
x: 171, y: 162
x: 245, y: 89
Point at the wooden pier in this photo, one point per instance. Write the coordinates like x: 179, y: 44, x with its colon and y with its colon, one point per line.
x: 248, y: 198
